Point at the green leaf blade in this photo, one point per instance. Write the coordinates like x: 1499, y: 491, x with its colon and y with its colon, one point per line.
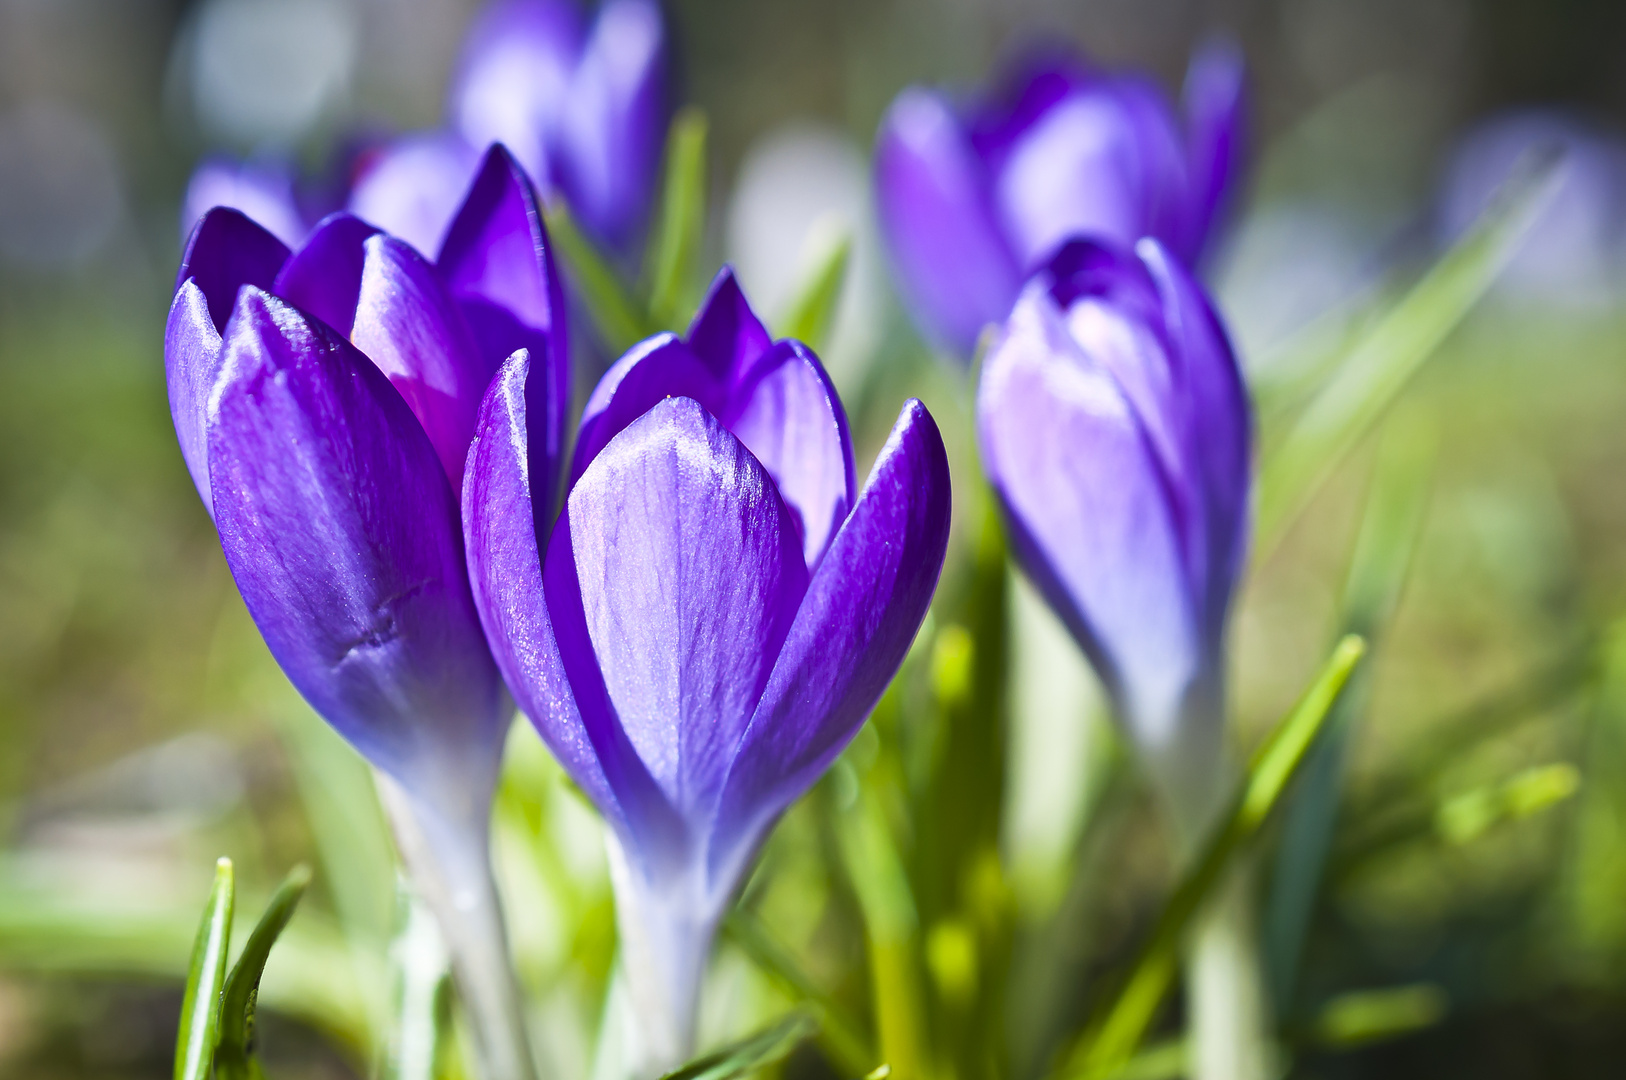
x: 812, y: 309
x: 234, y: 1054
x: 675, y: 246
x: 753, y: 1052
x: 206, y: 975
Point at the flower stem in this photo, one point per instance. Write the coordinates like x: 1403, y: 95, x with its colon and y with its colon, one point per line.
x: 449, y: 864
x: 1225, y: 990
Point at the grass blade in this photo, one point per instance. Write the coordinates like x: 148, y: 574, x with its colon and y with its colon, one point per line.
x: 200, y: 1008
x: 675, y: 246
x: 617, y: 317
x: 236, y: 1045
x: 1381, y: 362
x: 767, y: 1046
x: 1110, y: 1042
x: 811, y: 312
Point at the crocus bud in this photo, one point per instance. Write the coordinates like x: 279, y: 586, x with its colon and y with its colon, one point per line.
x: 712, y: 618
x: 973, y: 200
x: 581, y: 108
x: 1115, y: 429
x: 324, y: 400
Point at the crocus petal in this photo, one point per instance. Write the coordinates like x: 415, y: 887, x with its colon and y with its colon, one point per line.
x: 262, y: 192
x: 1215, y: 104
x: 689, y: 573
x: 654, y: 369
x: 610, y: 133
x: 409, y: 326
x: 953, y: 268
x: 505, y: 570
x: 323, y: 278
x: 1164, y: 180
x: 341, y: 532
x: 1091, y: 523
x: 226, y: 252
x: 518, y: 60
x: 412, y: 188
x: 787, y: 414
x: 861, y: 611
x: 191, y: 366
x: 726, y: 334
x: 497, y: 262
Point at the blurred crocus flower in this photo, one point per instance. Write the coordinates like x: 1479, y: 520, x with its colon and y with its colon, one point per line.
x: 712, y: 618
x: 1574, y: 254
x: 972, y: 200
x: 581, y: 107
x: 263, y: 191
x: 1115, y: 429
x: 324, y: 400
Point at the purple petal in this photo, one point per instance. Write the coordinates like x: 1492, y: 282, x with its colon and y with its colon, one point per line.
x: 654, y: 369
x: 323, y: 278
x: 517, y: 64
x: 1218, y: 422
x: 688, y: 571
x: 1032, y: 86
x: 191, y: 366
x: 726, y: 334
x: 1215, y: 105
x: 862, y: 609
x: 407, y: 324
x: 412, y: 188
x: 953, y: 267
x: 226, y: 252
x: 262, y: 192
x: 609, y: 136
x: 497, y: 262
x: 787, y: 414
x: 342, y: 534
x: 1092, y: 523
x: 505, y: 569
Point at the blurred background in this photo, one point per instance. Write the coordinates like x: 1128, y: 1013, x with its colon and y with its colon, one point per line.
x: 1476, y: 890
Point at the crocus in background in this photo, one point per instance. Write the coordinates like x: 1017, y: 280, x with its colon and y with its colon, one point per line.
x: 1115, y: 429
x: 712, y: 618
x: 973, y: 199
x: 580, y: 106
x: 324, y: 400
x: 264, y: 191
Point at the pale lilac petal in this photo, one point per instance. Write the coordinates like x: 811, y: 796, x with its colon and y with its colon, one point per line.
x: 654, y: 369
x: 953, y: 267
x: 1167, y: 210
x: 610, y: 132
x: 191, y: 366
x: 497, y: 262
x: 323, y: 278
x: 787, y: 414
x: 341, y: 531
x: 1089, y: 512
x: 862, y: 609
x: 1215, y: 105
x: 726, y: 334
x: 519, y: 57
x: 412, y: 187
x: 689, y: 574
x: 227, y: 251
x: 262, y: 192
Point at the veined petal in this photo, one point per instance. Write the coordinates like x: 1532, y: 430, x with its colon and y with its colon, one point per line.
x: 953, y: 267
x: 497, y: 262
x: 340, y: 529
x: 323, y: 278
x: 862, y: 609
x: 1215, y: 104
x: 191, y: 366
x: 227, y: 251
x: 689, y: 572
x: 518, y: 60
x: 412, y: 187
x: 786, y: 412
x: 610, y: 130
x: 654, y: 369
x: 726, y: 334
x: 1089, y: 511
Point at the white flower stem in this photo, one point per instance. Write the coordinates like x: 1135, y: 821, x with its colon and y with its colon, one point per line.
x: 1228, y: 1027
x: 449, y: 864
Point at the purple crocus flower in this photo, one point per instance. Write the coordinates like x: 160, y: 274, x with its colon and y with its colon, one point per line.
x: 1115, y: 429
x: 972, y: 200
x: 324, y: 400
x: 580, y: 107
x: 713, y: 617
